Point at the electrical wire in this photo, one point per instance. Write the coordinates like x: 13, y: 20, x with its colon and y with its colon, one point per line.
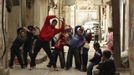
x: 3, y: 31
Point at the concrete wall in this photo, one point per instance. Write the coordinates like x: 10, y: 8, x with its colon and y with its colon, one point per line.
x: 131, y: 49
x: 29, y: 16
x: 40, y: 12
x: 3, y: 62
x: 21, y: 15
x: 13, y: 22
x: 127, y: 26
x: 67, y: 15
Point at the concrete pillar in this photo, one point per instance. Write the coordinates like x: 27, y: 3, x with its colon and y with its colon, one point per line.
x: 116, y: 32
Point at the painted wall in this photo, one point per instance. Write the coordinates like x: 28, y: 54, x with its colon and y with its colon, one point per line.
x: 40, y: 12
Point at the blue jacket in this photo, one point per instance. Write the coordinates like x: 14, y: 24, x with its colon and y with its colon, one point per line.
x: 76, y: 41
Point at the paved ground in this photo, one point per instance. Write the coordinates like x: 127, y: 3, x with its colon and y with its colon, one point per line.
x: 41, y: 69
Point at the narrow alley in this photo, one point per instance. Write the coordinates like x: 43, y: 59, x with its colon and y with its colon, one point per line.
x: 94, y: 33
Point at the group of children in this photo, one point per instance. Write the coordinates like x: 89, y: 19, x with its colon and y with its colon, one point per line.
x: 23, y: 44
x: 77, y: 41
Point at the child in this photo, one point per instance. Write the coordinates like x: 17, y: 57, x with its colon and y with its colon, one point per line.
x: 63, y: 40
x: 47, y: 32
x: 28, y: 44
x: 15, y: 49
x: 85, y: 49
x: 96, y: 59
x: 57, y: 46
x: 107, y: 66
x: 52, y: 43
x: 75, y: 43
x: 110, y: 39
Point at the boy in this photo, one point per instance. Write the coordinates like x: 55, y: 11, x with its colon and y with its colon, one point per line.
x: 15, y: 49
x: 107, y: 66
x: 62, y: 41
x: 28, y: 44
x: 46, y: 34
x: 85, y: 49
x: 96, y: 59
x: 75, y: 43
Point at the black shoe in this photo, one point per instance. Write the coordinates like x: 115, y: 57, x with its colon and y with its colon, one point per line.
x: 78, y: 68
x: 11, y: 67
x: 22, y: 67
x: 49, y: 65
x: 62, y: 67
x: 67, y: 68
x: 25, y: 65
x: 84, y: 70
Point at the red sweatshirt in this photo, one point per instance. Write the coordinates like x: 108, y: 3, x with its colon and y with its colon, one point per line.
x: 48, y: 31
x: 60, y: 43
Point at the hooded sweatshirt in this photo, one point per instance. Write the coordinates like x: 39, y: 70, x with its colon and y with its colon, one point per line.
x: 48, y: 31
x: 76, y: 41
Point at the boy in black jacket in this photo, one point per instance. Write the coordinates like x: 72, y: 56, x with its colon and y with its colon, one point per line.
x: 28, y: 44
x: 107, y: 66
x: 15, y: 49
